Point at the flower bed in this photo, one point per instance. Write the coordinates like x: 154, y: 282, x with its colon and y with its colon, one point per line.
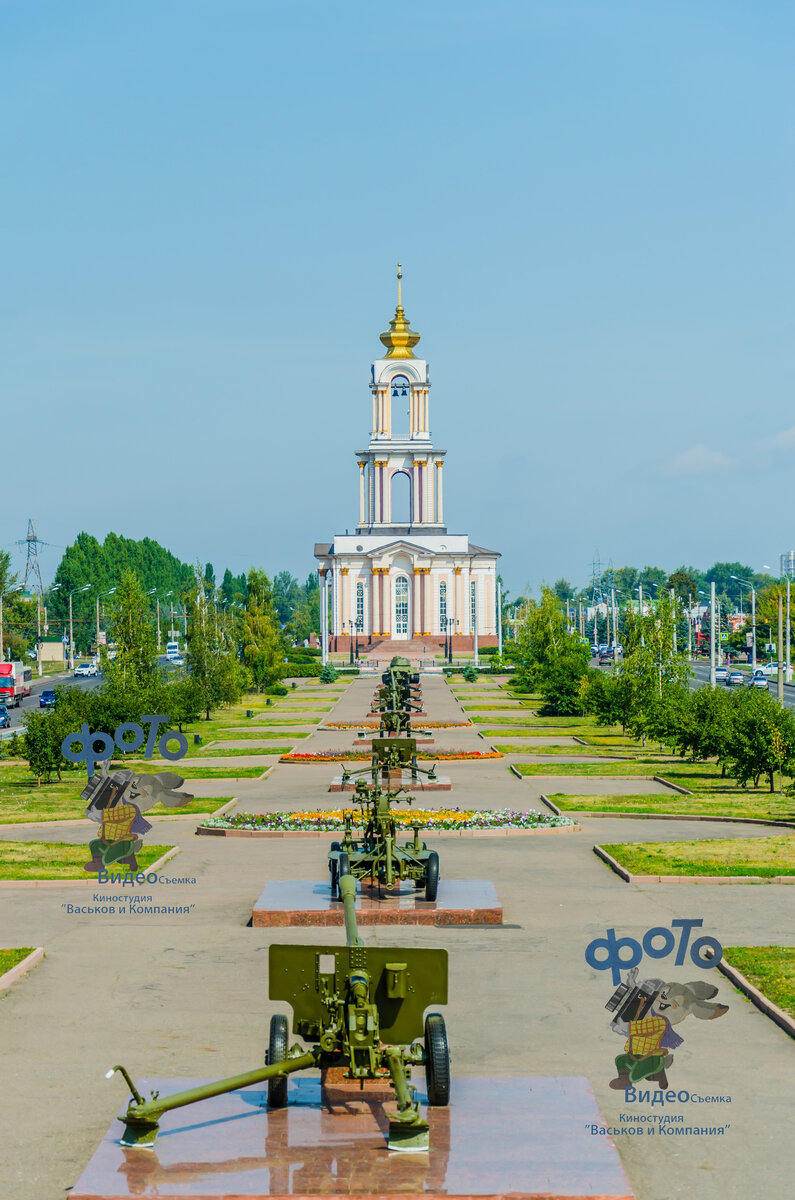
x: 358, y: 755
x: 376, y: 725
x: 314, y: 821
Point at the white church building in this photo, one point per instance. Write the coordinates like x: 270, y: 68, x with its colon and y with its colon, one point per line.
x: 401, y: 575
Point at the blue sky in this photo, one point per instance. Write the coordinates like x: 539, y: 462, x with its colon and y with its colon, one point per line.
x: 202, y: 208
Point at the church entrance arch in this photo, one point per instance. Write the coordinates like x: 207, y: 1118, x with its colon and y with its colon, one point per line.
x: 401, y: 624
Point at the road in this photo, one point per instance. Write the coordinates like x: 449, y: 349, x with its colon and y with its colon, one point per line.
x: 701, y: 677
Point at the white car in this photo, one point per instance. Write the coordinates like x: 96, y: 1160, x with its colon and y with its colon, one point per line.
x: 720, y: 674
x: 177, y: 661
x: 86, y: 669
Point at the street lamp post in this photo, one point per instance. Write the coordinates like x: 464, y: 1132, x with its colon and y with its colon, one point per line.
x: 84, y: 588
x: 749, y: 583
x: 712, y: 634
x: 350, y: 626
x: 789, y: 668
x: 499, y: 619
x: 110, y: 593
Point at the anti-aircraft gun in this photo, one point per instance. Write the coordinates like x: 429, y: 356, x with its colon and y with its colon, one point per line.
x: 376, y: 855
x: 362, y: 1009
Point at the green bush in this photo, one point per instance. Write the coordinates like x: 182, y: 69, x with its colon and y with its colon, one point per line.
x: 328, y: 673
x: 487, y: 650
x: 470, y: 673
x: 276, y: 690
x: 302, y: 670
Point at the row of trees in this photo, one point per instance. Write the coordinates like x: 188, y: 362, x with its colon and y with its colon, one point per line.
x: 295, y: 607
x: 648, y: 693
x: 685, y: 581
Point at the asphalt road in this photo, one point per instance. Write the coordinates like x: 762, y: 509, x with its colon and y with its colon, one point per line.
x: 701, y: 677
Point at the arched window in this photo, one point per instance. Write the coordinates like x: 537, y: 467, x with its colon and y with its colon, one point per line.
x: 442, y: 604
x: 360, y: 607
x: 473, y: 596
x: 401, y: 606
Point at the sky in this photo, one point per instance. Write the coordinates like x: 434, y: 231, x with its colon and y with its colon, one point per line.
x: 202, y: 209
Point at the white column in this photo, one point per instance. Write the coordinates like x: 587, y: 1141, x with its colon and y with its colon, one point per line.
x: 416, y: 627
x: 415, y: 492
x: 375, y: 412
x: 425, y: 410
x: 430, y: 499
x: 387, y: 496
x: 362, y: 516
x: 439, y: 507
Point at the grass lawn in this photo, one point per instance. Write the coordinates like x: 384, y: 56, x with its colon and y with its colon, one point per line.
x: 58, y: 860
x: 10, y: 958
x: 236, y: 752
x: 765, y: 856
x: 771, y: 969
x: 235, y: 733
x: 283, y: 721
x: 540, y: 748
x: 599, y: 770
x: 495, y: 707
x: 204, y: 772
x: 713, y: 804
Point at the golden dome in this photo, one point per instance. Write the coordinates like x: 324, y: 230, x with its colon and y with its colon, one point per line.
x: 400, y: 339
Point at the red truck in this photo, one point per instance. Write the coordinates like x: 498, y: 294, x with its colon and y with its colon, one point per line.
x: 15, y: 680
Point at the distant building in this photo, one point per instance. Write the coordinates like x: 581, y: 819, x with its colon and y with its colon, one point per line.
x: 402, y: 575
x: 787, y: 564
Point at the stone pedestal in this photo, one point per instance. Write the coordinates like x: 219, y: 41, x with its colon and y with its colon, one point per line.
x: 421, y: 784
x: 525, y: 1137
x: 291, y: 902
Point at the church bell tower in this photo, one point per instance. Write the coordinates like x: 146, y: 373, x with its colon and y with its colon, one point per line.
x: 400, y: 386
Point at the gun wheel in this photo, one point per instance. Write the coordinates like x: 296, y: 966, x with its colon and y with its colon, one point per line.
x: 432, y: 876
x: 343, y: 868
x: 437, y: 1061
x: 332, y: 866
x: 277, y: 1052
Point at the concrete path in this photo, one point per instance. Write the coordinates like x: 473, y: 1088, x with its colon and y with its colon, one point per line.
x: 186, y: 994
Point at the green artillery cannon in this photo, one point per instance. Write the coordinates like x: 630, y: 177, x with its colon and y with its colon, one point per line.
x: 376, y: 855
x: 362, y: 1007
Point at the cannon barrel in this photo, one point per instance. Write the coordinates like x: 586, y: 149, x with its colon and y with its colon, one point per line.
x: 347, y: 885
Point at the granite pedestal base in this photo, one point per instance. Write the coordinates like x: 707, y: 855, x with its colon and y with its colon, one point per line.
x: 368, y: 741
x: 309, y: 902
x: 421, y: 784
x: 522, y: 1137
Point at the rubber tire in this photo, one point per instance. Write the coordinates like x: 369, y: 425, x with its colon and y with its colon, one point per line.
x: 343, y: 868
x: 437, y: 1064
x: 277, y: 1052
x: 332, y: 866
x: 432, y: 876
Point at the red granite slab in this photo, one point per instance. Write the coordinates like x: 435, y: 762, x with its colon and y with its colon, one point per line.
x: 523, y: 1138
x: 420, y: 784
x: 306, y: 902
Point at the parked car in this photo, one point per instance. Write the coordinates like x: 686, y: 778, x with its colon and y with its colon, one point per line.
x: 47, y: 698
x: 757, y: 681
x: 177, y: 660
x: 32, y: 655
x: 86, y: 670
x: 5, y: 717
x: 734, y: 677
x: 768, y: 668
x: 720, y: 674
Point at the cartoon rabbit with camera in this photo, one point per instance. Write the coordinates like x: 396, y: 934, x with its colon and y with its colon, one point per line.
x: 645, y: 1013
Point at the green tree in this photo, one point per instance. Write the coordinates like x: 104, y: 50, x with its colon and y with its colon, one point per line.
x: 706, y: 725
x: 549, y: 659
x: 563, y: 589
x: 263, y: 644
x: 133, y: 632
x: 762, y: 739
x: 685, y: 583
x: 211, y: 662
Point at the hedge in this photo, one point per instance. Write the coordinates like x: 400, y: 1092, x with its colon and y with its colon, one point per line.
x: 302, y: 670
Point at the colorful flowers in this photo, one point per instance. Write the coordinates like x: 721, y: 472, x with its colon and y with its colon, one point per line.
x: 375, y: 724
x: 296, y: 756
x: 331, y: 821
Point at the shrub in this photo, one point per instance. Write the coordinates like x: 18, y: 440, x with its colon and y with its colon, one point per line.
x: 485, y: 651
x: 328, y: 673
x: 470, y: 674
x: 302, y: 670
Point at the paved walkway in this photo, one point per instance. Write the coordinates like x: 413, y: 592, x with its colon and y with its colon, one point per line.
x: 187, y: 994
